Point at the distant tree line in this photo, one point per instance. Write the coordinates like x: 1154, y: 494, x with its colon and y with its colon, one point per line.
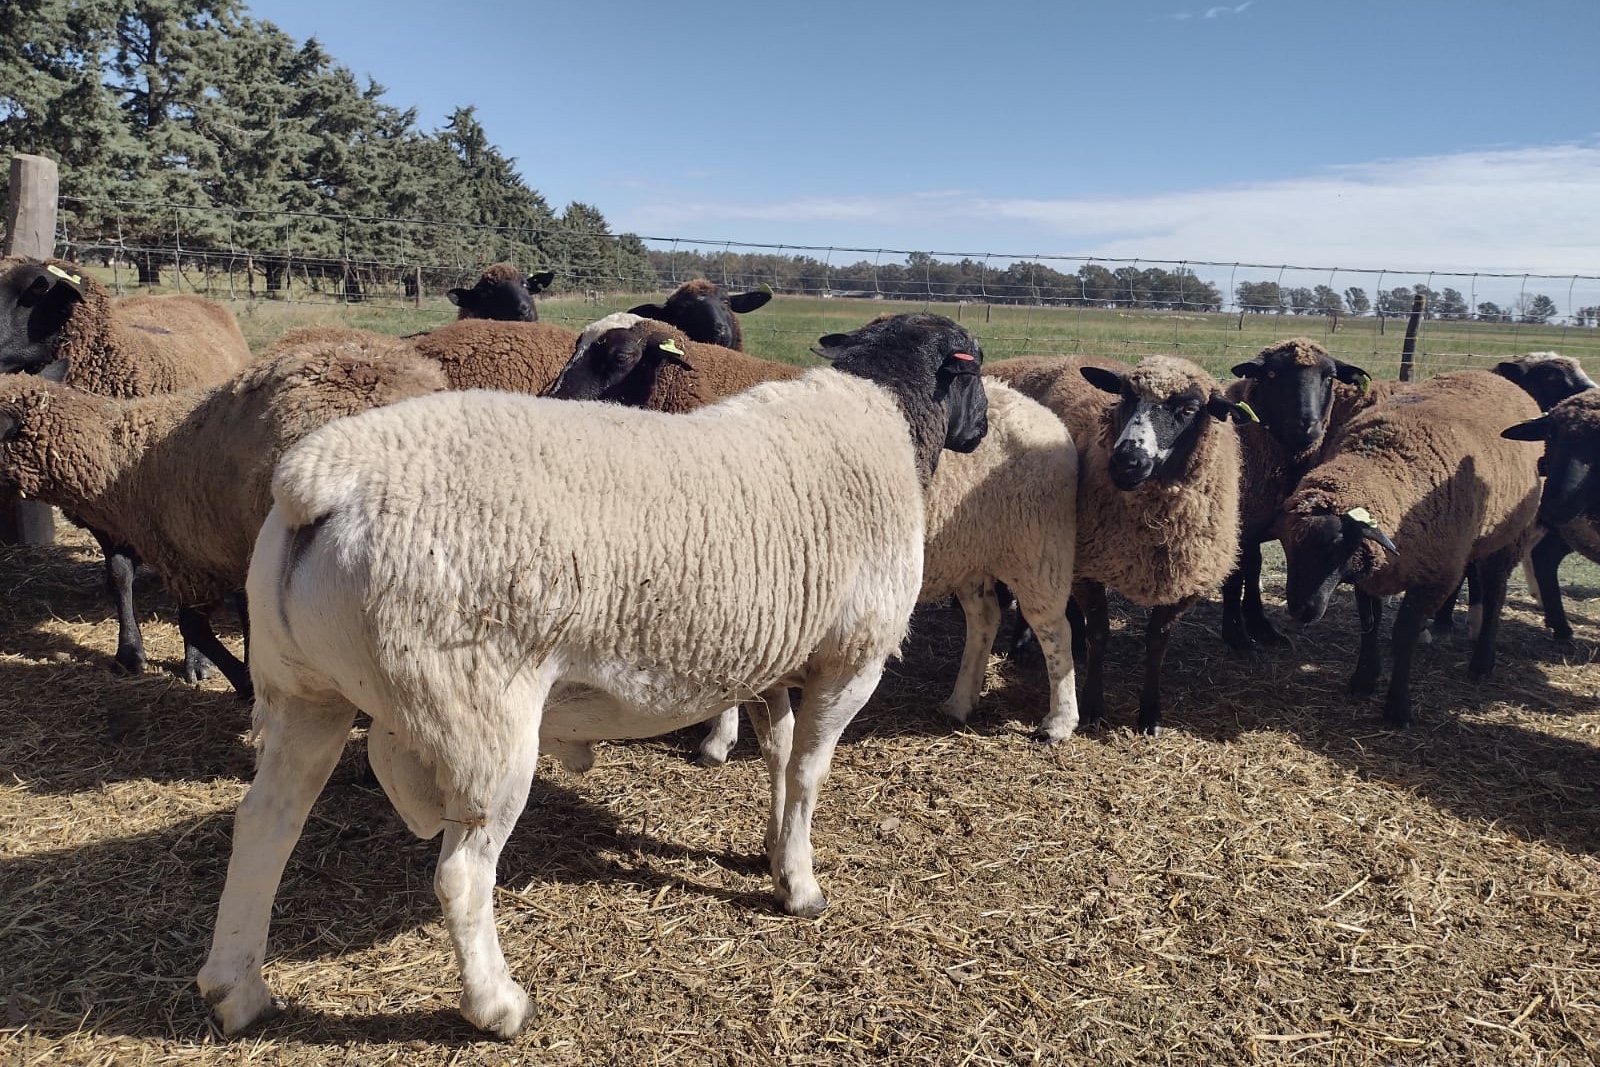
x: 922, y: 277
x: 1269, y: 298
x: 193, y: 103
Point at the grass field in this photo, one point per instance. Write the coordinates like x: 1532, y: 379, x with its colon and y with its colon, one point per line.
x: 1276, y: 879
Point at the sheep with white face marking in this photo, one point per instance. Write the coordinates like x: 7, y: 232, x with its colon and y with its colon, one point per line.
x: 58, y: 321
x: 623, y: 573
x: 128, y: 467
x: 1004, y: 513
x: 1412, y: 493
x: 1550, y: 379
x: 1158, y: 495
x: 501, y: 293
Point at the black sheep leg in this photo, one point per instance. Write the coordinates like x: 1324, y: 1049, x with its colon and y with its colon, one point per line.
x: 1091, y: 598
x: 121, y: 562
x: 195, y: 625
x: 1490, y: 577
x: 1547, y: 556
x: 1157, y: 634
x: 1414, y: 612
x: 1369, y: 661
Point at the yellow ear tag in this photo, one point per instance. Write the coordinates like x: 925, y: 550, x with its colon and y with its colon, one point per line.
x: 1361, y: 515
x: 75, y: 279
x: 1250, y: 411
x: 765, y: 288
x: 669, y: 345
x: 1363, y: 383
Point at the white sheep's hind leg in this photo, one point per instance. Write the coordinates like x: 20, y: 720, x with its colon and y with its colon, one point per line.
x: 464, y: 883
x: 1049, y: 618
x: 300, y: 745
x: 827, y: 705
x: 720, y: 738
x: 982, y: 610
x: 772, y: 719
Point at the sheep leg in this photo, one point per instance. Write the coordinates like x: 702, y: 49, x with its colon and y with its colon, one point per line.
x: 1546, y: 560
x: 201, y: 644
x: 772, y: 719
x: 1056, y: 644
x: 827, y: 704
x: 1369, y: 661
x: 720, y: 738
x: 1157, y: 635
x: 1091, y: 597
x: 1442, y: 618
x: 1256, y: 623
x: 1414, y: 612
x: 1080, y: 628
x: 300, y: 745
x: 121, y: 562
x: 464, y: 883
x: 1244, y: 618
x: 981, y: 607
x: 1492, y: 574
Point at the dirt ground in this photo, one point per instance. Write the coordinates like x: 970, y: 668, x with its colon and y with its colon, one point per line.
x: 1275, y: 879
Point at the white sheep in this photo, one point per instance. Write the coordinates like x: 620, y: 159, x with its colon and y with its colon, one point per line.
x: 482, y: 572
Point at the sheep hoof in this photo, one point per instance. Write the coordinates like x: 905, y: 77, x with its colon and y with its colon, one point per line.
x: 131, y: 660
x: 502, y: 1012
x: 243, y: 1005
x: 196, y: 668
x: 955, y: 709
x: 708, y: 758
x: 807, y: 909
x: 1048, y: 733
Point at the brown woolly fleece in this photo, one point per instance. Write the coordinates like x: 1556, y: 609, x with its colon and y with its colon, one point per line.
x: 322, y: 333
x: 1430, y: 466
x: 185, y: 478
x: 142, y: 345
x: 718, y: 372
x: 1165, y: 541
x: 520, y: 357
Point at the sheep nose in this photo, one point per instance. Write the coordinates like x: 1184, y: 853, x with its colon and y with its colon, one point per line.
x: 1130, y: 466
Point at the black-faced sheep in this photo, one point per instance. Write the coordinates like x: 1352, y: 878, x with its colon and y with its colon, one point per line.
x: 1412, y: 493
x: 57, y: 320
x: 1003, y: 513
x: 706, y: 311
x: 1301, y: 395
x: 1551, y: 378
x: 501, y: 293
x: 624, y: 573
x: 1158, y: 495
x: 129, y: 467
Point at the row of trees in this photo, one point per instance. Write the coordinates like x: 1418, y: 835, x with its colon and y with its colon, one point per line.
x: 249, y: 140
x: 1269, y: 298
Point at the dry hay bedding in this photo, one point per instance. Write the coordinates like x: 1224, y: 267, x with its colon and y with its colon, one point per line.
x: 1274, y: 879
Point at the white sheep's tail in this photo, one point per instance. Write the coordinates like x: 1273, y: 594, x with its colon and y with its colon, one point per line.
x: 311, y: 482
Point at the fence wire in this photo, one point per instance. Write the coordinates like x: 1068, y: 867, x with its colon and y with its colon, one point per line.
x: 1213, y: 310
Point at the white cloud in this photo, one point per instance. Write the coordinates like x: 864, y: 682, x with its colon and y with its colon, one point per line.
x: 1213, y: 12
x: 1505, y: 210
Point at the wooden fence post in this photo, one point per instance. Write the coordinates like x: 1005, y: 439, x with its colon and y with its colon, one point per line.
x: 30, y: 231
x: 1408, y: 352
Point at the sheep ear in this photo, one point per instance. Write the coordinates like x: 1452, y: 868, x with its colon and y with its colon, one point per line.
x: 1250, y: 368
x: 828, y: 342
x: 1366, y: 527
x: 455, y: 295
x: 744, y: 303
x: 1511, y: 372
x: 65, y: 277
x: 1532, y: 430
x: 1222, y: 409
x: 1350, y: 374
x: 650, y: 311
x: 1107, y: 381
x: 538, y: 283
x: 55, y: 371
x: 671, y: 353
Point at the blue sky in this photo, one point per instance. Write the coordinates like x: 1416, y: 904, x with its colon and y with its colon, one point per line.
x: 1421, y: 135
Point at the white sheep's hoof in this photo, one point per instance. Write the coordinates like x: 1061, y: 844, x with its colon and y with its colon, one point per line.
x: 574, y: 756
x: 1054, y: 731
x: 244, y: 1004
x: 502, y: 1012
x: 957, y: 708
x: 717, y: 745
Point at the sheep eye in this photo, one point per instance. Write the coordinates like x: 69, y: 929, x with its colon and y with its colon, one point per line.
x: 1271, y: 374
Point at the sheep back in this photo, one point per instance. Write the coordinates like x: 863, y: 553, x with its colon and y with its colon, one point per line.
x: 704, y: 556
x: 717, y: 372
x: 522, y: 357
x: 1430, y: 466
x: 1002, y: 509
x: 141, y: 345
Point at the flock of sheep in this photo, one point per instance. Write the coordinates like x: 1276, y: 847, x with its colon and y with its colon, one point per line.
x: 434, y: 531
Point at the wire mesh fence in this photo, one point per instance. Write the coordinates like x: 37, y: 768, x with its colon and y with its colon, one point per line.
x: 1215, y: 311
